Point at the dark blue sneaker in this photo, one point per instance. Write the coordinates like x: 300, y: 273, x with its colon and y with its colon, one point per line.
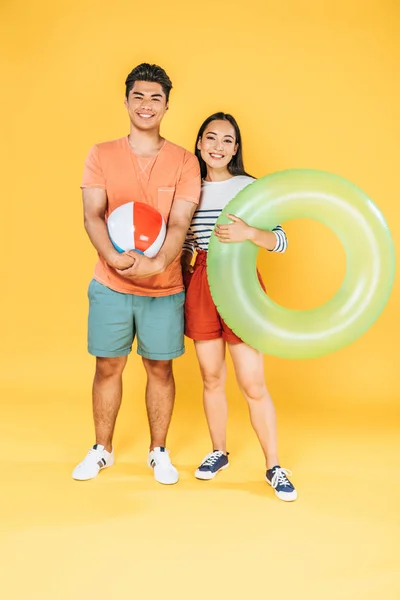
x: 284, y: 489
x: 211, y: 464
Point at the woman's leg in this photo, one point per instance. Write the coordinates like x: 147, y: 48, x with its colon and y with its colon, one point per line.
x: 249, y: 368
x: 211, y: 357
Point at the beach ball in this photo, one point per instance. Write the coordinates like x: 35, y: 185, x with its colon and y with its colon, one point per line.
x: 137, y: 226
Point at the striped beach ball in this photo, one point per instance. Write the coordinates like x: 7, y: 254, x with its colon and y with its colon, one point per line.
x: 136, y: 226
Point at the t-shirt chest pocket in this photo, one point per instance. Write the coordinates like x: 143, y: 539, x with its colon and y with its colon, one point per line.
x: 165, y: 197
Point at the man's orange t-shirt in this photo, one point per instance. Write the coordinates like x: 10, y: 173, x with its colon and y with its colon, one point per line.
x: 173, y: 174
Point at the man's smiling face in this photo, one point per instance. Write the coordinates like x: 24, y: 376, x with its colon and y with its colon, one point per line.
x: 146, y: 105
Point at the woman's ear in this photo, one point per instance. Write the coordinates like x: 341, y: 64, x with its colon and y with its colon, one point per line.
x: 236, y: 149
x: 199, y: 144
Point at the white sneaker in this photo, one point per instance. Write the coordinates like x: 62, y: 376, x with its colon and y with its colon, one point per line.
x: 164, y: 471
x: 96, y: 459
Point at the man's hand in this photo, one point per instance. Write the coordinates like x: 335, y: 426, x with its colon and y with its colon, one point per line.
x: 121, y: 262
x: 178, y: 224
x: 238, y: 231
x: 142, y: 267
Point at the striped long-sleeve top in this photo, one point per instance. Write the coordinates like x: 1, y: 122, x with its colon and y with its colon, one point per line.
x: 215, y: 195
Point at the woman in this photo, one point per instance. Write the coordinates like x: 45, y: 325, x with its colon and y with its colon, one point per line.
x: 219, y: 150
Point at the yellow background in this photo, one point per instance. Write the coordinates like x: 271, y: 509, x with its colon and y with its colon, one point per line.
x: 313, y: 85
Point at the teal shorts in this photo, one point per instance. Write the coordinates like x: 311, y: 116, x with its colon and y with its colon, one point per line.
x: 115, y: 319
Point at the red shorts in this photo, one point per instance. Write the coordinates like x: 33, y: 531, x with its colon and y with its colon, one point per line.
x: 202, y: 320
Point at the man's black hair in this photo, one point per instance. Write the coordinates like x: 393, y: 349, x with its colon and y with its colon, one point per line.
x: 152, y: 73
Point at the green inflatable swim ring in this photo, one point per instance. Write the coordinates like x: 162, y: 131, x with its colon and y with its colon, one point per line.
x: 370, y: 265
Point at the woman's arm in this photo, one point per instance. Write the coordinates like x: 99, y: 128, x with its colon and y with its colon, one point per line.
x: 239, y: 231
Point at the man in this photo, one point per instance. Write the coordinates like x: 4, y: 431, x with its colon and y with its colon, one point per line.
x: 130, y: 293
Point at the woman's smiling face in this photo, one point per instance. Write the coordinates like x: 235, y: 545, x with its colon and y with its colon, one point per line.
x: 218, y: 144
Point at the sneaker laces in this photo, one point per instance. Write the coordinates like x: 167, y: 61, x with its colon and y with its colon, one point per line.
x: 95, y: 455
x: 212, y: 458
x: 162, y: 458
x: 279, y: 477
x: 95, y: 450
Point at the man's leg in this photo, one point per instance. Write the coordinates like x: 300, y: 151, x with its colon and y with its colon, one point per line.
x: 160, y: 396
x: 110, y: 336
x: 107, y: 396
x: 159, y: 325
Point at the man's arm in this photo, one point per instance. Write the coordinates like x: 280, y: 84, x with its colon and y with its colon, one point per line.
x: 94, y: 208
x: 178, y: 224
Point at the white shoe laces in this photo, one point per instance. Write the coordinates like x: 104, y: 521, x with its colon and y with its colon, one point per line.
x: 211, y: 458
x: 94, y: 455
x: 279, y: 477
x: 94, y: 451
x: 162, y: 459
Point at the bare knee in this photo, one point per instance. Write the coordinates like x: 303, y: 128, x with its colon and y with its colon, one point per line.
x: 254, y: 390
x: 161, y: 370
x: 110, y: 367
x: 213, y: 380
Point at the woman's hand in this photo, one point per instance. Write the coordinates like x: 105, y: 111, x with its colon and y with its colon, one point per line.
x: 238, y: 231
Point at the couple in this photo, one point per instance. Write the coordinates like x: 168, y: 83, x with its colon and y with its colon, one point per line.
x: 132, y: 295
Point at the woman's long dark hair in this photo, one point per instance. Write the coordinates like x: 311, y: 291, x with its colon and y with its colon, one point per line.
x: 236, y: 166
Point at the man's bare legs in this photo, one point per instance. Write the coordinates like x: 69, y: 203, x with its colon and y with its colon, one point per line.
x: 160, y: 397
x: 107, y: 395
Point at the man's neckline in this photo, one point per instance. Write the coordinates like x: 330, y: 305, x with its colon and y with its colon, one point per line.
x: 145, y: 157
